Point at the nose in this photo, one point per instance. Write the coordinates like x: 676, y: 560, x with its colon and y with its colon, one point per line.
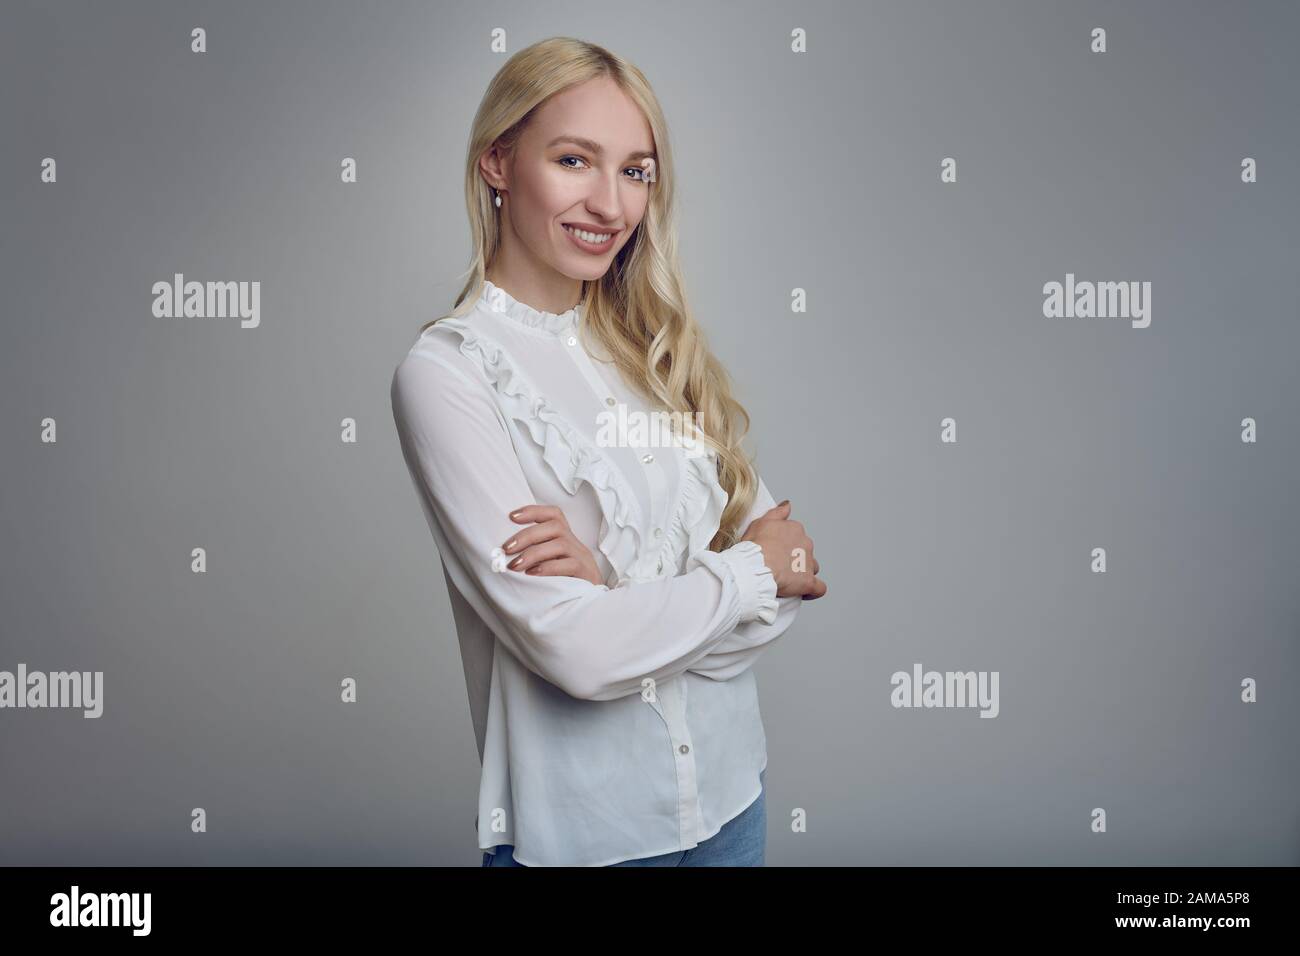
x: 603, y: 200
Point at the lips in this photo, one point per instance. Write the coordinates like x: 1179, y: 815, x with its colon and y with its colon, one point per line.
x: 587, y: 245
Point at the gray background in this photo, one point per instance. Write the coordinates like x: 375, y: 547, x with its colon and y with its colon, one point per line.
x: 817, y: 171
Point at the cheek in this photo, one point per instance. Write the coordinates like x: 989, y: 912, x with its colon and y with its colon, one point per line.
x: 552, y: 191
x: 635, y: 220
x: 529, y: 196
x: 637, y: 207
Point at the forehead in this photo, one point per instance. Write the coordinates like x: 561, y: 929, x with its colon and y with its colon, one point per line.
x: 597, y: 110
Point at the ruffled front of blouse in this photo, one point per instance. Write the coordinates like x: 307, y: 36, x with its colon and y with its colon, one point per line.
x: 571, y: 458
x: 699, y: 510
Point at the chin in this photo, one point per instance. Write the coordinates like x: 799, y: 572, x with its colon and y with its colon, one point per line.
x: 586, y: 271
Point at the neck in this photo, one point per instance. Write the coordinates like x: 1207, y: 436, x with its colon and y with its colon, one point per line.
x: 543, y: 289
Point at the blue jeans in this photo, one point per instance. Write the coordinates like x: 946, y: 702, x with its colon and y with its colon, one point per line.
x: 741, y: 842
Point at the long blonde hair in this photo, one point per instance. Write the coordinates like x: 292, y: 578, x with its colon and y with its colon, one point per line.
x: 638, y: 309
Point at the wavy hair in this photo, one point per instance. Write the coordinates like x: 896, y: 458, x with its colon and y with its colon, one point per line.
x: 637, y: 310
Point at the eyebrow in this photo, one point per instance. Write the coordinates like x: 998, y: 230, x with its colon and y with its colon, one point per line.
x: 596, y: 147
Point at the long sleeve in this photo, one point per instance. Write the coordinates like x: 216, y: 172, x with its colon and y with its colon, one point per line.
x: 742, y: 647
x: 591, y: 641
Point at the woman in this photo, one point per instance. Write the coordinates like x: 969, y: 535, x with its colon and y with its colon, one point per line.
x: 610, y: 593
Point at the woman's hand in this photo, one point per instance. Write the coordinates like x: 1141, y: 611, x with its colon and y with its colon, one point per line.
x: 549, y: 547
x: 779, y: 538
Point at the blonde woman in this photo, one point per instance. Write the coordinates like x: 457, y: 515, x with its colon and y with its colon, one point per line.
x: 611, y: 582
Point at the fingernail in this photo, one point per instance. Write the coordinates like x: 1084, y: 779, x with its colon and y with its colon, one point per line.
x: 786, y: 502
x: 515, y: 562
x: 511, y: 543
x: 514, y: 515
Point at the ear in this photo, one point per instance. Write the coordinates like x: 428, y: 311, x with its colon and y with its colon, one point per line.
x: 494, y: 166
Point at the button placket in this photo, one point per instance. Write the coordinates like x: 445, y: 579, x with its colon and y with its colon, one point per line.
x: 658, y: 492
x: 668, y: 458
x: 653, y: 464
x: 690, y: 824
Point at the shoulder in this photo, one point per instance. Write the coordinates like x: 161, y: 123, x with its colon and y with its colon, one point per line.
x: 439, y: 352
x: 436, y: 377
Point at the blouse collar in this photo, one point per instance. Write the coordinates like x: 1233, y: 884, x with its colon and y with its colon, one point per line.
x: 502, y: 302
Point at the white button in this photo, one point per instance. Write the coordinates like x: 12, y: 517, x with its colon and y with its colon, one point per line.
x: 646, y: 459
x: 572, y: 340
x: 659, y: 532
x: 684, y: 749
x: 609, y: 401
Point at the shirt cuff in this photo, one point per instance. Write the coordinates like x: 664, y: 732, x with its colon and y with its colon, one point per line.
x: 755, y: 581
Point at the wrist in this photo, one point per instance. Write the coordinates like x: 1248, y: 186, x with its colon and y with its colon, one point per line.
x: 754, y: 579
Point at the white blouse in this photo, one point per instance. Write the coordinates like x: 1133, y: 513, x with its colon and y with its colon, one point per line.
x: 613, y: 721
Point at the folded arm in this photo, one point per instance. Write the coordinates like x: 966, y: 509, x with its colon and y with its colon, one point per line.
x: 591, y: 641
x: 741, y: 648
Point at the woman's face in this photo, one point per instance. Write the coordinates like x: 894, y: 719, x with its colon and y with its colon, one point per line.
x: 577, y: 166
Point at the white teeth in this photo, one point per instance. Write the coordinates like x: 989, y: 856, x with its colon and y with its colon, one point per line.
x: 596, y: 237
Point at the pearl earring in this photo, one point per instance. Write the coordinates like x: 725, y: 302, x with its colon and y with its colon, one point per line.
x: 498, y: 199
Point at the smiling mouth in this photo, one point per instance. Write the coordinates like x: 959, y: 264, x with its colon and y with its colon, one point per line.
x: 588, y: 237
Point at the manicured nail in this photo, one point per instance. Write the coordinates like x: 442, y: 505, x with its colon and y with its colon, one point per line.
x: 514, y: 515
x: 786, y: 502
x: 511, y: 543
x: 515, y: 562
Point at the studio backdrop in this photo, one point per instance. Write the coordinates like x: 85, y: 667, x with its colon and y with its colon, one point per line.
x: 1008, y: 289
